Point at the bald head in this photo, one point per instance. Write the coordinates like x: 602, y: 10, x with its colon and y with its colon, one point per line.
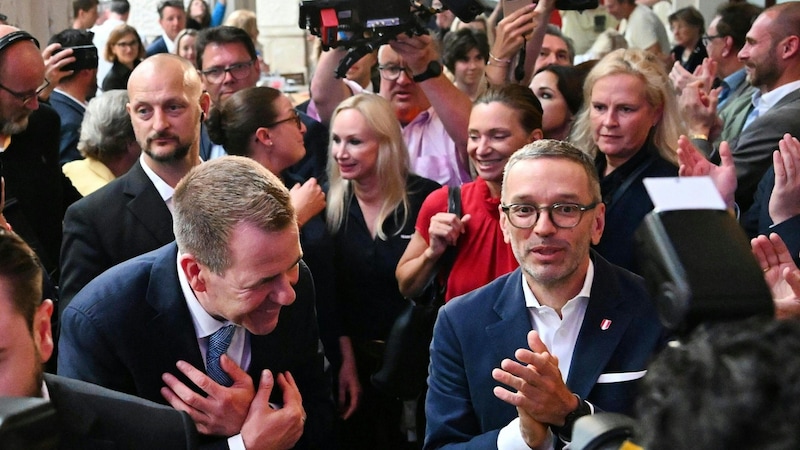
x: 166, y: 66
x: 21, y: 74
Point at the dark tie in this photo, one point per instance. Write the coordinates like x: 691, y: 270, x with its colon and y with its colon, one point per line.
x: 218, y: 344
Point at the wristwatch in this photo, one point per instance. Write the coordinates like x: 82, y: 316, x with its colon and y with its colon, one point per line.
x: 434, y: 70
x: 564, y: 432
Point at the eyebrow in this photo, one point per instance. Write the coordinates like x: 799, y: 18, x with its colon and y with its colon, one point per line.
x: 272, y: 277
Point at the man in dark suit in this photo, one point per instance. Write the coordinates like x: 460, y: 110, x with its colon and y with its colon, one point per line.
x: 37, y: 193
x: 148, y: 326
x: 74, y: 91
x: 88, y: 416
x: 581, y: 329
x: 131, y: 215
x: 172, y: 18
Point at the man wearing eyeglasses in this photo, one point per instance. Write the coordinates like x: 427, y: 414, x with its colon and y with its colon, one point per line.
x: 37, y: 192
x: 567, y: 334
x: 433, y: 112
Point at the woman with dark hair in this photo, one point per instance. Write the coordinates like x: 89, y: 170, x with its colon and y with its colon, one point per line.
x: 687, y: 30
x: 502, y: 121
x: 465, y: 54
x: 199, y: 15
x: 125, y: 51
x: 560, y: 91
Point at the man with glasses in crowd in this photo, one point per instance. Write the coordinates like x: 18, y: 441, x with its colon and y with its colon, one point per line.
x: 133, y: 214
x: 37, y: 192
x: 582, y: 329
x: 433, y: 112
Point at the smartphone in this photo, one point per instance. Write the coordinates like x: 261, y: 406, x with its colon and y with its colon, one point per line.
x: 509, y: 6
x: 85, y: 58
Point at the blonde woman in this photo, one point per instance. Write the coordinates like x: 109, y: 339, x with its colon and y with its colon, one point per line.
x: 373, y: 202
x: 631, y: 125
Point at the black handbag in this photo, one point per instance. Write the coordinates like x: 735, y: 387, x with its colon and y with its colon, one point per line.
x: 404, y: 369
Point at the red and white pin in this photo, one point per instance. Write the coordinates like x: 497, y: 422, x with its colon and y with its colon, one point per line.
x: 605, y: 324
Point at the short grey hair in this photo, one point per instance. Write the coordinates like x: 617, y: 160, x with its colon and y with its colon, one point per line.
x: 216, y: 196
x: 106, y: 130
x: 551, y: 148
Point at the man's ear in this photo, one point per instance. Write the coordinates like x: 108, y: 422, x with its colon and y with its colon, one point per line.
x: 42, y: 330
x: 194, y: 271
x: 504, y: 225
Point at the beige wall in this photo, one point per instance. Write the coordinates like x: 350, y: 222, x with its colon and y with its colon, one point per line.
x: 41, y: 18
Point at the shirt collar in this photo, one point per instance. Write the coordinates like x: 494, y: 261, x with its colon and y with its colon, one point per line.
x: 585, y: 292
x: 734, y: 80
x: 65, y: 94
x: 763, y: 102
x: 164, y: 189
x: 204, y: 324
x: 169, y: 43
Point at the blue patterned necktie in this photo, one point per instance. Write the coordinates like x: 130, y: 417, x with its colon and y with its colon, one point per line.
x: 218, y: 344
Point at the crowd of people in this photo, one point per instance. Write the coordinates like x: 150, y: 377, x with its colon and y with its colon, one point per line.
x: 204, y: 263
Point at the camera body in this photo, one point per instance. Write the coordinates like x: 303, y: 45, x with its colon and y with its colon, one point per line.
x: 576, y: 5
x: 85, y: 57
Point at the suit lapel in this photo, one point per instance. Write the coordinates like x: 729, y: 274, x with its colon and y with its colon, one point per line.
x: 510, y: 332
x: 172, y: 324
x: 596, y: 345
x: 147, y: 206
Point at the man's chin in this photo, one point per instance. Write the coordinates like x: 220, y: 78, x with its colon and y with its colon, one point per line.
x: 16, y: 127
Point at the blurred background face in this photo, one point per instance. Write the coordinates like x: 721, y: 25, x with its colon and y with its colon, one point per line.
x: 126, y: 49
x: 287, y: 135
x: 470, y: 70
x: 354, y: 146
x: 173, y: 20
x: 554, y: 51
x: 557, y: 117
x: 21, y: 362
x: 186, y: 48
x: 684, y: 34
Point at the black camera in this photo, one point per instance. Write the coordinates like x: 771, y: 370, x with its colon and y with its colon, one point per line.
x: 364, y: 25
x: 576, y: 5
x: 85, y: 58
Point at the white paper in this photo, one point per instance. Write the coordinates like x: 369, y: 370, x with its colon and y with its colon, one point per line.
x: 680, y: 193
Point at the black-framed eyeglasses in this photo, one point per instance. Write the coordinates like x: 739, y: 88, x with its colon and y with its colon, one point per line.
x: 391, y: 72
x: 25, y: 97
x: 238, y: 71
x: 130, y: 44
x: 708, y: 38
x: 563, y: 215
x: 294, y: 117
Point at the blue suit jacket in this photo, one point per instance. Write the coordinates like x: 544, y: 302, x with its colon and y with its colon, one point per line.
x: 475, y: 332
x: 157, y: 46
x: 71, y: 115
x: 131, y: 324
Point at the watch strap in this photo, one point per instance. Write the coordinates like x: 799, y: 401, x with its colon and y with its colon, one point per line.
x: 564, y: 432
x: 433, y: 70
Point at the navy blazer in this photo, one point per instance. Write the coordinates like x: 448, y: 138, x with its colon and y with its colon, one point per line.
x: 157, y: 46
x: 476, y: 331
x: 92, y: 417
x: 123, y: 219
x: 131, y: 324
x: 71, y: 114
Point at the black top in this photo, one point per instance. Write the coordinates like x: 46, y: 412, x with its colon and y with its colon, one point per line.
x: 117, y: 77
x: 368, y: 298
x: 628, y: 202
x: 695, y: 59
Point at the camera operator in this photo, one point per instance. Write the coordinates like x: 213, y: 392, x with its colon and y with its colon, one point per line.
x: 434, y: 114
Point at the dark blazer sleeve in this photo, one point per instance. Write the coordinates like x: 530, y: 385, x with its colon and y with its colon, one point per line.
x: 158, y: 46
x: 90, y: 416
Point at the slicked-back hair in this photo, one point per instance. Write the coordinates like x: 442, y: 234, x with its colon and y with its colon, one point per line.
x: 519, y: 98
x: 233, y: 124
x: 216, y: 196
